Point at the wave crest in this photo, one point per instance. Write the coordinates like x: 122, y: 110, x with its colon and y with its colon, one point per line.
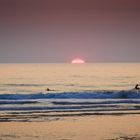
x: 74, y: 95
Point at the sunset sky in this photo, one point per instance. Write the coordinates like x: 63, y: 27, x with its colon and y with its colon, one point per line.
x: 61, y: 30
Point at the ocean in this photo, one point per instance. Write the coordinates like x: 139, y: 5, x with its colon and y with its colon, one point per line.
x: 74, y: 90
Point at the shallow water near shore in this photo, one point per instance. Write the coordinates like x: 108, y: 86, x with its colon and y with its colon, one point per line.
x: 126, y: 127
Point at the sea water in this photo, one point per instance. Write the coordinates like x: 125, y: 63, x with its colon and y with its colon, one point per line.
x: 75, y: 90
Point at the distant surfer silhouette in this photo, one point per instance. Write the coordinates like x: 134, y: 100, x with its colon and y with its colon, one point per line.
x: 137, y: 86
x: 47, y: 89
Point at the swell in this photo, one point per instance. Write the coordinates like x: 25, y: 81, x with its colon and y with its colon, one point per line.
x: 74, y: 95
x: 17, y: 102
x: 71, y: 107
x: 52, y: 107
x: 96, y: 103
x: 22, y: 85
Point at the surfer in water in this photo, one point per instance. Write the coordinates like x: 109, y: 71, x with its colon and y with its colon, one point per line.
x: 137, y: 86
x: 47, y: 89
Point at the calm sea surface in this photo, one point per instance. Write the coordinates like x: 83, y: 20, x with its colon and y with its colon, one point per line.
x: 32, y: 78
x: 75, y: 90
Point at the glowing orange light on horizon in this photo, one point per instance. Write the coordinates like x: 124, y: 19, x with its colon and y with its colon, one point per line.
x: 77, y: 61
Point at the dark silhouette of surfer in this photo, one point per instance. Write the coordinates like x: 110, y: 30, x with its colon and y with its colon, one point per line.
x: 47, y: 89
x: 137, y: 86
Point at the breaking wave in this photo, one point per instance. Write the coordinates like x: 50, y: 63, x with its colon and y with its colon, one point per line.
x: 74, y: 95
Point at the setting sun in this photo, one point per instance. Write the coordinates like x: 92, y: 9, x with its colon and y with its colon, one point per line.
x: 77, y: 61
